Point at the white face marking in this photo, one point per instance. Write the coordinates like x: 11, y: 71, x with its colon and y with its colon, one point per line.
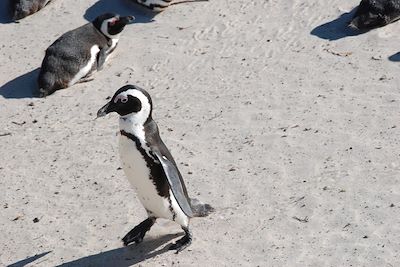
x: 104, y: 28
x: 136, y: 118
x: 87, y: 69
x: 121, y: 97
x: 133, y: 122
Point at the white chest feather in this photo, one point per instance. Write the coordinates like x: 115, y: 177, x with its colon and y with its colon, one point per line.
x: 138, y: 174
x: 114, y: 43
x: 85, y: 70
x: 137, y: 171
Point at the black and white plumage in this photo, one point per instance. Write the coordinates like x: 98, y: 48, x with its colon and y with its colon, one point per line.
x: 150, y: 167
x: 160, y: 5
x: 375, y: 13
x: 80, y: 52
x: 24, y: 8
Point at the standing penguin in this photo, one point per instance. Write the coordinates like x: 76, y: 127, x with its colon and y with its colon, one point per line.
x: 150, y: 167
x: 78, y: 53
x: 160, y: 5
x: 24, y: 8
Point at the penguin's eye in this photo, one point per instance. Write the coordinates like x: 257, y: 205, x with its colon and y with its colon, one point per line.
x: 112, y: 23
x: 123, y: 99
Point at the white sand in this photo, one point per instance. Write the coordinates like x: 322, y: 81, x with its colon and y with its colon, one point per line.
x: 267, y: 122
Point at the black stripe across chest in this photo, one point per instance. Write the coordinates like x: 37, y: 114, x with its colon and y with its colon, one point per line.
x: 156, y: 170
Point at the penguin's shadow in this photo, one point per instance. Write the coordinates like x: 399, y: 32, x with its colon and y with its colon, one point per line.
x: 121, y: 7
x: 395, y: 57
x: 26, y: 261
x: 125, y: 256
x: 24, y: 86
x: 5, y: 12
x: 337, y: 29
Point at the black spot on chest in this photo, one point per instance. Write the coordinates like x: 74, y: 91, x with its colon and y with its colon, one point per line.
x: 157, y: 174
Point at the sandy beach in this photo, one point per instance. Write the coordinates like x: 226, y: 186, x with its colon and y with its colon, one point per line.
x: 276, y: 115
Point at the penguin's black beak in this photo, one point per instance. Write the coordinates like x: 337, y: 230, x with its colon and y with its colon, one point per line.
x: 107, y: 108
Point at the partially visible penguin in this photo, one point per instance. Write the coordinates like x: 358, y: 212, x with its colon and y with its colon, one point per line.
x: 375, y: 13
x: 24, y: 8
x: 150, y: 167
x: 79, y: 53
x: 160, y: 5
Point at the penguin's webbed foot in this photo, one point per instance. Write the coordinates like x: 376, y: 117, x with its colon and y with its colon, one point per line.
x: 137, y: 233
x: 182, y: 243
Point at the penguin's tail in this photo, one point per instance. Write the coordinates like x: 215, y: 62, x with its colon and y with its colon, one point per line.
x: 199, y: 208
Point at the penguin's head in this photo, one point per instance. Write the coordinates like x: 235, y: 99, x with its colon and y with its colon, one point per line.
x: 130, y: 102
x: 111, y: 25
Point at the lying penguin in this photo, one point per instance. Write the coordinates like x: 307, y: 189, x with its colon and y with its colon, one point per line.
x: 24, y: 8
x: 160, y: 5
x: 77, y: 54
x: 150, y: 167
x: 375, y: 13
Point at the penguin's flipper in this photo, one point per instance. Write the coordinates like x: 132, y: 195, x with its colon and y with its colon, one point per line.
x: 101, y: 58
x: 173, y: 177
